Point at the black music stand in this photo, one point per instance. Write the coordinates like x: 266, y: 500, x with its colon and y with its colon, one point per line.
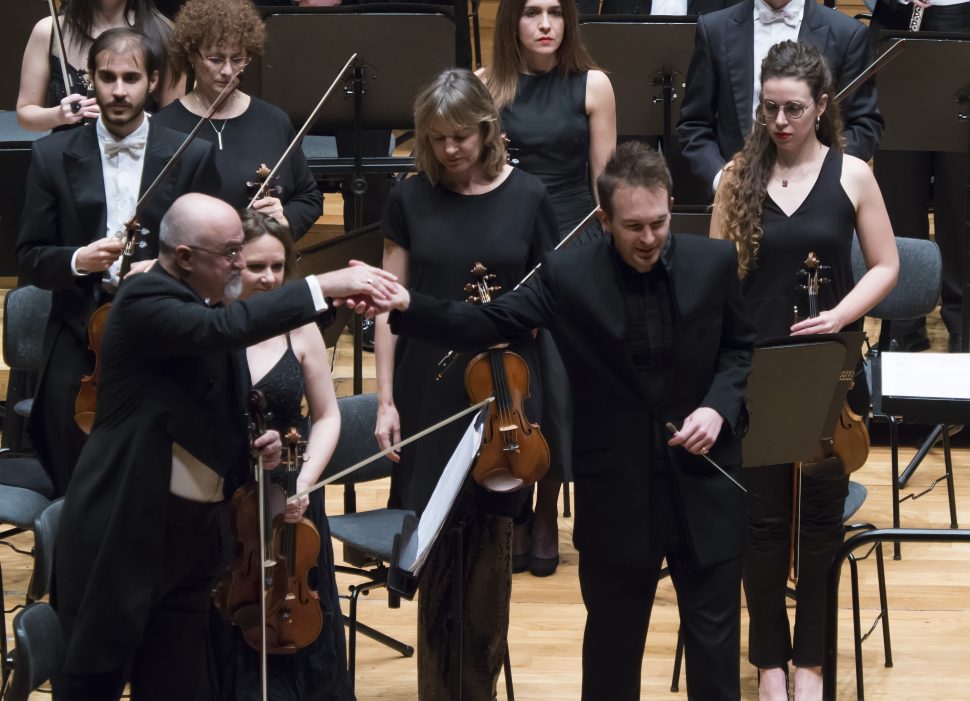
x: 647, y: 58
x: 795, y: 394
x: 366, y: 245
x: 931, y: 114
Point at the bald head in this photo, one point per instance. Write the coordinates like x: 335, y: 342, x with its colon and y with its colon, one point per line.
x: 200, y: 239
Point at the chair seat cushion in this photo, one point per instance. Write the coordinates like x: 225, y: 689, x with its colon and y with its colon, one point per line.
x: 854, y: 500
x: 370, y: 531
x: 26, y: 473
x: 21, y: 506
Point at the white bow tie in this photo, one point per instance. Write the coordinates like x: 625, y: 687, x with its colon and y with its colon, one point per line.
x: 134, y: 147
x: 789, y: 15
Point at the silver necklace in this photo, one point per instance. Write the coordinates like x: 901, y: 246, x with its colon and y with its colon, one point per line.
x: 224, y: 121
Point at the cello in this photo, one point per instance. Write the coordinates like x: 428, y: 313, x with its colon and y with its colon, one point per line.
x: 514, y: 454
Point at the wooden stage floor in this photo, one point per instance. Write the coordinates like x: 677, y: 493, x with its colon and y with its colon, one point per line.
x: 929, y: 598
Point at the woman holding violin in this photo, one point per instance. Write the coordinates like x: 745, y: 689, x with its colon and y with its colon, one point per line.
x: 213, y: 41
x: 286, y: 369
x: 559, y: 116
x: 44, y: 102
x: 790, y: 192
x: 465, y: 206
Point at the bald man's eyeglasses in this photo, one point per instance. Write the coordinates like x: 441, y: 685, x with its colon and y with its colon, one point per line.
x: 229, y: 255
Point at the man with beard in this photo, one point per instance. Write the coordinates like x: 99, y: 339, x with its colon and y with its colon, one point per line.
x: 81, y: 190
x: 139, y: 545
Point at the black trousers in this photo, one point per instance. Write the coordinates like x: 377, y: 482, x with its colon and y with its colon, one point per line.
x: 619, y: 599
x: 770, y: 643
x: 169, y: 663
x: 911, y: 181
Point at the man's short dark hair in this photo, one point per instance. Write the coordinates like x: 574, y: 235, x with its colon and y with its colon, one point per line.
x: 122, y: 40
x: 633, y: 164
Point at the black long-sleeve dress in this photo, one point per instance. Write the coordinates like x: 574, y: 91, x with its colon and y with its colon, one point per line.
x: 259, y: 135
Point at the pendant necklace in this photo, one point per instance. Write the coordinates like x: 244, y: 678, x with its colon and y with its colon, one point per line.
x: 224, y: 121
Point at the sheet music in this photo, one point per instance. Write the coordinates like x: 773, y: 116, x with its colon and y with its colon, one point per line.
x: 930, y: 375
x: 415, y: 551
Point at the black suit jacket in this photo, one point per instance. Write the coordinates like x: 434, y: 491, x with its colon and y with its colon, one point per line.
x: 171, y: 374
x: 716, y: 115
x: 64, y: 209
x: 578, y: 297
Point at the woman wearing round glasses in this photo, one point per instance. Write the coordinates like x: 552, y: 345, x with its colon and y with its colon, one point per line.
x: 788, y: 192
x: 214, y: 40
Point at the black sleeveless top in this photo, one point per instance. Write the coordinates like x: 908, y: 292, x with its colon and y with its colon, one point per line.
x: 283, y: 388
x: 548, y: 131
x: 823, y: 223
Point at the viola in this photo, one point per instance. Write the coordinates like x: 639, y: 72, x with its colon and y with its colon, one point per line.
x: 514, y: 453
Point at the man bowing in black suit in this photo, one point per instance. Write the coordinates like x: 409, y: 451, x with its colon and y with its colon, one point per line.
x: 139, y: 543
x: 723, y: 79
x: 82, y: 187
x: 652, y: 329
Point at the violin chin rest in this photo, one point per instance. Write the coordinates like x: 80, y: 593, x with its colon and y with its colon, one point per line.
x: 247, y: 616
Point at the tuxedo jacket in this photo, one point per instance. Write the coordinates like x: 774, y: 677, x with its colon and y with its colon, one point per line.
x: 172, y: 373
x: 716, y: 116
x: 64, y: 209
x: 578, y: 297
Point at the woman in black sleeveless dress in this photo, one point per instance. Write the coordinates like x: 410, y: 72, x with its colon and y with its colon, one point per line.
x: 791, y: 191
x: 559, y: 116
x: 43, y: 101
x: 287, y: 369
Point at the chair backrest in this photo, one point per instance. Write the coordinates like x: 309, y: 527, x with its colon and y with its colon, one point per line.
x: 38, y: 648
x: 918, y: 288
x: 358, y: 414
x: 25, y: 312
x: 45, y: 532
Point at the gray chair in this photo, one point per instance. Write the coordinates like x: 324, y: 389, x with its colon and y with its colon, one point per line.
x: 37, y: 653
x: 25, y: 312
x: 368, y: 535
x: 45, y: 533
x: 915, y: 295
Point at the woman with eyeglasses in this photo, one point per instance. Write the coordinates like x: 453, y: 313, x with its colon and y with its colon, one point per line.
x: 214, y: 40
x: 44, y: 102
x: 288, y: 369
x: 788, y: 192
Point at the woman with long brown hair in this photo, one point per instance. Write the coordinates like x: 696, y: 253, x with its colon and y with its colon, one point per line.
x: 788, y: 192
x: 44, y: 102
x: 559, y: 116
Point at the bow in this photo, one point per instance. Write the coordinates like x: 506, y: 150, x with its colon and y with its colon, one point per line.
x: 134, y: 147
x: 790, y: 15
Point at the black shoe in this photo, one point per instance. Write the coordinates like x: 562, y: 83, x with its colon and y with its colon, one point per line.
x: 913, y: 342
x: 953, y: 345
x: 543, y: 566
x: 367, y: 333
x: 520, y: 562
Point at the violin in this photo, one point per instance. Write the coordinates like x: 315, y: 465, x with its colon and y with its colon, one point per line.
x: 850, y: 439
x: 294, y: 618
x: 87, y: 395
x: 514, y: 454
x: 266, y: 184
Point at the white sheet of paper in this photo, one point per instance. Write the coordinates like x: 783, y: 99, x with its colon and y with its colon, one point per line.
x: 415, y: 551
x: 930, y: 375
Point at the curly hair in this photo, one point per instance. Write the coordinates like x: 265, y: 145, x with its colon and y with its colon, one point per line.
x: 740, y: 196
x: 502, y: 77
x: 256, y: 225
x: 206, y: 23
x: 459, y: 99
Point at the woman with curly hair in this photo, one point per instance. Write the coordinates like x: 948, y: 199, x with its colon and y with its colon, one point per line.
x: 788, y: 192
x: 214, y: 40
x: 44, y: 102
x: 559, y: 116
